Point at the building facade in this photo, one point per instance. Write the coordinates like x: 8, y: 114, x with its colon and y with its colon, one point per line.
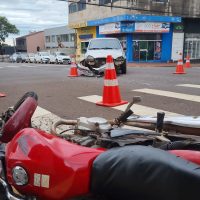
x: 61, y: 39
x: 31, y: 43
x: 150, y: 30
x: 35, y: 42
x: 21, y: 44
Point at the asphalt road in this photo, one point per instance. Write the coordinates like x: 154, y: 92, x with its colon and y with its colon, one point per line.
x: 59, y: 93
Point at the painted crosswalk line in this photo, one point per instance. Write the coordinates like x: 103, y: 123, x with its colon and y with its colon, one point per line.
x: 138, y: 109
x: 43, y: 119
x: 189, y: 85
x: 187, y: 97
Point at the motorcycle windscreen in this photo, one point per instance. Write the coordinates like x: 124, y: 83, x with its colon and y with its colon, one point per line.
x: 144, y: 173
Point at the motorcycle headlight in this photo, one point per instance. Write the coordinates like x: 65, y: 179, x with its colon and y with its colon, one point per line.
x: 20, y: 176
x: 90, y: 60
x: 119, y: 60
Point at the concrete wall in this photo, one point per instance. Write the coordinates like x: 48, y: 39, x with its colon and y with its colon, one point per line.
x: 34, y: 40
x: 187, y: 8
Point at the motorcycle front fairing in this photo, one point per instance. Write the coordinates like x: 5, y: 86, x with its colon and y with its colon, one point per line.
x: 57, y: 169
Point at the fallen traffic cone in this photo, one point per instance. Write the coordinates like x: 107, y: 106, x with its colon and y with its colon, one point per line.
x: 179, y: 67
x: 187, y: 64
x: 2, y: 95
x: 73, y: 70
x: 111, y: 93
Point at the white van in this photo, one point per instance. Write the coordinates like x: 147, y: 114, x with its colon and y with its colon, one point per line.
x: 99, y: 48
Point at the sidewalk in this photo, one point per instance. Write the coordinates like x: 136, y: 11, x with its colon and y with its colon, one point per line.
x: 135, y: 64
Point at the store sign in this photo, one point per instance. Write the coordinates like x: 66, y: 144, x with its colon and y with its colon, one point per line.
x: 78, y: 25
x: 127, y: 27
x: 178, y: 28
x: 152, y: 27
x: 110, y: 28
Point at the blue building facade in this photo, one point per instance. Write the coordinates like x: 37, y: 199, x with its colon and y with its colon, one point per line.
x: 145, y: 38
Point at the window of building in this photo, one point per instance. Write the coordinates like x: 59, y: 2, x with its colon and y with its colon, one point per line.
x: 102, y: 2
x: 81, y: 5
x: 47, y: 38
x: 73, y: 8
x: 159, y: 1
x: 64, y: 38
x: 53, y: 38
x: 72, y: 37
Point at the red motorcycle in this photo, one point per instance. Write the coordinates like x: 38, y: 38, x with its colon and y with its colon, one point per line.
x: 98, y: 161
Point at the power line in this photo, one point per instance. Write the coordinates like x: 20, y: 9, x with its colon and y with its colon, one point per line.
x: 169, y: 13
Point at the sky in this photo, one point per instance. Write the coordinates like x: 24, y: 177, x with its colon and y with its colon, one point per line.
x: 33, y: 15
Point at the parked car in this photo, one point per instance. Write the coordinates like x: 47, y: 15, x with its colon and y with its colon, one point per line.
x: 42, y: 57
x: 58, y: 57
x: 30, y: 58
x: 23, y: 57
x: 16, y: 57
x: 99, y: 48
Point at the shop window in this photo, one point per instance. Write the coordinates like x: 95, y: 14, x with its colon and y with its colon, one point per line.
x: 192, y: 45
x: 159, y: 1
x: 147, y: 36
x: 84, y: 46
x: 47, y: 38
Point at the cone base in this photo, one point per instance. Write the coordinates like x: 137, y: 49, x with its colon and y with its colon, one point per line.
x: 2, y: 95
x: 179, y: 73
x: 72, y: 76
x: 111, y: 104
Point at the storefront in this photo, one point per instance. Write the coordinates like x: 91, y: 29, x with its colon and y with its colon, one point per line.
x: 145, y: 38
x: 192, y: 38
x: 83, y: 35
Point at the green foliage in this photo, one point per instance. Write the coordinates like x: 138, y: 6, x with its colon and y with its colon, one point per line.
x: 5, y: 29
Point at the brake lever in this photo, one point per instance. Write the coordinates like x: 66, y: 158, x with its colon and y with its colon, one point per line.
x: 128, y: 112
x: 136, y: 99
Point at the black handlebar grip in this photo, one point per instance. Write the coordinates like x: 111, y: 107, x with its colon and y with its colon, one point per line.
x: 160, y: 121
x: 125, y: 115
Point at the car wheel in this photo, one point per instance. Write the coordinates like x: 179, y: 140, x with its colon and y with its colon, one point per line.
x: 123, y: 68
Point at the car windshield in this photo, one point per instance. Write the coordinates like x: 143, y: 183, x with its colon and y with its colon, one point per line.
x: 62, y: 54
x: 104, y: 44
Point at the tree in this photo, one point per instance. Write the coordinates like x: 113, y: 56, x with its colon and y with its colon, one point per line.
x: 6, y: 28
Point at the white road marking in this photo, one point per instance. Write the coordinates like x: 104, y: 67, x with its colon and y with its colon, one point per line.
x: 189, y: 85
x: 188, y: 97
x: 40, y: 112
x: 138, y: 109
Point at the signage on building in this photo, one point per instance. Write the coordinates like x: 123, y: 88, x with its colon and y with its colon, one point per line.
x: 85, y: 37
x: 127, y: 27
x: 78, y: 25
x: 178, y: 28
x: 110, y: 28
x: 152, y: 27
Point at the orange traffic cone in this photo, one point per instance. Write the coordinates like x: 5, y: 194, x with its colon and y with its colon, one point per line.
x: 187, y: 64
x: 2, y: 95
x: 111, y: 93
x: 179, y: 67
x: 73, y: 70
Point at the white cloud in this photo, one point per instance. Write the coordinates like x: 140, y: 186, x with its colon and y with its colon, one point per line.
x: 34, y: 15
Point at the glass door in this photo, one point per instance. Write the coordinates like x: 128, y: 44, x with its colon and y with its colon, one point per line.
x: 143, y: 50
x: 147, y: 50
